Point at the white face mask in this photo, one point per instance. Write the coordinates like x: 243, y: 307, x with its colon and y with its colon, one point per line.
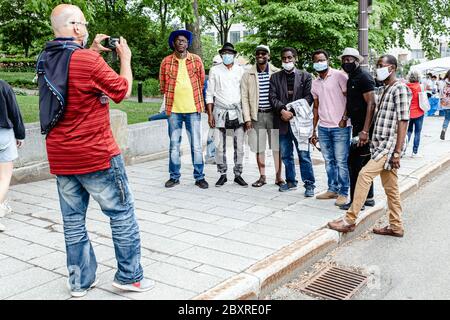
x: 288, y: 66
x: 383, y: 73
x: 84, y: 42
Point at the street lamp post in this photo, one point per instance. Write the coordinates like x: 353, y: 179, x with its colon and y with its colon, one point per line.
x: 363, y: 34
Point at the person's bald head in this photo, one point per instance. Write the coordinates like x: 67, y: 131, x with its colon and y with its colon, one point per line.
x: 62, y: 15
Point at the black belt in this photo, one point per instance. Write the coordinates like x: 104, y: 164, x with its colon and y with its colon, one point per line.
x: 264, y: 110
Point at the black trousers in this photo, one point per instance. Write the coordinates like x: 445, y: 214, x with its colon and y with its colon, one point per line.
x: 357, y: 159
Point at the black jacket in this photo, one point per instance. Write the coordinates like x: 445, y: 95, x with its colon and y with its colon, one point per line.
x: 278, y: 94
x: 10, y: 116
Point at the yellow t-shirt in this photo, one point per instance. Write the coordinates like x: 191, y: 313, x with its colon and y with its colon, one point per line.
x: 183, y: 101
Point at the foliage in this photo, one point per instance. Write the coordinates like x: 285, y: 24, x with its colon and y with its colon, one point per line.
x: 19, y: 79
x: 17, y: 64
x: 150, y: 88
x: 308, y: 25
x: 210, y: 49
x: 136, y: 112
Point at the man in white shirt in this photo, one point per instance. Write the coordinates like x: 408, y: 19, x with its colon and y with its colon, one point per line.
x: 223, y: 103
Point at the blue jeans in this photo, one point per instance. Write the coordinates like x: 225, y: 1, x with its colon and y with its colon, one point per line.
x: 335, y: 145
x: 446, y: 119
x: 210, y: 145
x: 193, y: 128
x: 417, y: 124
x: 158, y: 116
x: 287, y: 142
x: 111, y: 190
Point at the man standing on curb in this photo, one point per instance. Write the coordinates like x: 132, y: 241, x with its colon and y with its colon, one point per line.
x: 388, y: 145
x: 287, y: 86
x: 258, y: 113
x: 74, y: 86
x: 223, y: 101
x: 360, y: 110
x: 329, y: 91
x: 181, y: 80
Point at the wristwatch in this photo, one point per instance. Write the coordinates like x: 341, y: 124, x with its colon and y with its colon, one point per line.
x: 345, y: 118
x: 396, y: 155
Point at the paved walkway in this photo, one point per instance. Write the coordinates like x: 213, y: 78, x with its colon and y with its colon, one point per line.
x: 192, y: 239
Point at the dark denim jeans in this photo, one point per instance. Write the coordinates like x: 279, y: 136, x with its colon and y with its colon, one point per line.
x: 287, y: 142
x: 335, y: 144
x: 192, y: 122
x: 446, y: 118
x: 110, y: 189
x: 416, y: 126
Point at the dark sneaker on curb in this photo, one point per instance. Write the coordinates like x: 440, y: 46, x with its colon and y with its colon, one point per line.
x: 221, y: 181
x: 171, y: 183
x: 442, y: 135
x: 288, y: 186
x: 202, y: 184
x: 369, y: 203
x: 240, y: 181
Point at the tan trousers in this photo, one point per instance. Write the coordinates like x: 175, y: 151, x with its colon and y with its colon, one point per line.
x: 389, y: 179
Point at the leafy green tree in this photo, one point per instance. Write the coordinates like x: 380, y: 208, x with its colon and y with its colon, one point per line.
x: 220, y: 14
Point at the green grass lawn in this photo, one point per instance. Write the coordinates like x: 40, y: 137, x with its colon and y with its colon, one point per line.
x: 19, y: 79
x: 136, y: 112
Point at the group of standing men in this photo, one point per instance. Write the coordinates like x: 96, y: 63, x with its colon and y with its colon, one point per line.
x: 359, y: 138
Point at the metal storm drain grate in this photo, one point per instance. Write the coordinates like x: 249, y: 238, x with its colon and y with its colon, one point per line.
x: 335, y: 283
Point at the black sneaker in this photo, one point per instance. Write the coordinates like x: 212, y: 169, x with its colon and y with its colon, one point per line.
x: 221, y: 181
x: 172, y: 183
x: 348, y: 205
x: 443, y: 135
x: 369, y: 203
x: 240, y: 181
x: 202, y: 184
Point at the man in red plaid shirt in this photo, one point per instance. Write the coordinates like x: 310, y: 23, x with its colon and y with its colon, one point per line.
x: 182, y: 77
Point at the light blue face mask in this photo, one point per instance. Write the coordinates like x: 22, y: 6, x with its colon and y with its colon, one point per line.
x: 228, y: 59
x: 320, y: 66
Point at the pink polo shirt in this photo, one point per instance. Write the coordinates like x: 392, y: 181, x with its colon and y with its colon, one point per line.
x: 332, y: 101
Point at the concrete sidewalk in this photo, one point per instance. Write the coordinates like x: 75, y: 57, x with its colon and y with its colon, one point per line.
x: 227, y: 243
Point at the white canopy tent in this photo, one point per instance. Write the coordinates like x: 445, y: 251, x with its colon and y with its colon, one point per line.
x: 433, y: 66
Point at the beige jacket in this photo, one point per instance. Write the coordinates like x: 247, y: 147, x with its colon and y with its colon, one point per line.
x: 250, y: 93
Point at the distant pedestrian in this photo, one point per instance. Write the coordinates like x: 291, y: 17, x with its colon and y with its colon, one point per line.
x: 76, y: 82
x: 388, y: 145
x: 445, y: 104
x: 416, y: 113
x: 287, y: 87
x: 223, y: 101
x: 182, y: 77
x: 12, y: 134
x: 329, y: 91
x: 258, y: 114
x: 360, y: 110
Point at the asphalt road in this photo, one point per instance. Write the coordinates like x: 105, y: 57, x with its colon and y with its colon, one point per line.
x: 413, y: 267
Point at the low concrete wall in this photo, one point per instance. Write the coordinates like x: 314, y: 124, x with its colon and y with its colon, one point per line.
x: 138, y: 142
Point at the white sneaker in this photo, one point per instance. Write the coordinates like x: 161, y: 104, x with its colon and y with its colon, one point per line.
x: 5, y: 209
x: 79, y: 294
x: 416, y: 155
x: 2, y: 227
x: 141, y: 286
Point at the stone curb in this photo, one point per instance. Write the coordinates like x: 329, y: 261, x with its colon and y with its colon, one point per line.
x: 285, y: 264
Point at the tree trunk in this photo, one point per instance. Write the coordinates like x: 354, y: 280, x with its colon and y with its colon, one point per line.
x: 194, y: 27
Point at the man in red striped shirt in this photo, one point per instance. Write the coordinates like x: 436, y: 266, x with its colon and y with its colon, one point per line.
x: 86, y: 160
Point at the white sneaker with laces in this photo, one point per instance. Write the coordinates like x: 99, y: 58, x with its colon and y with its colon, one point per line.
x: 79, y: 294
x: 5, y: 209
x: 416, y: 155
x: 141, y: 286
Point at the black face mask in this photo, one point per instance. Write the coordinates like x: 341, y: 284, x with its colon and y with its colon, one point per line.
x: 349, y: 67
